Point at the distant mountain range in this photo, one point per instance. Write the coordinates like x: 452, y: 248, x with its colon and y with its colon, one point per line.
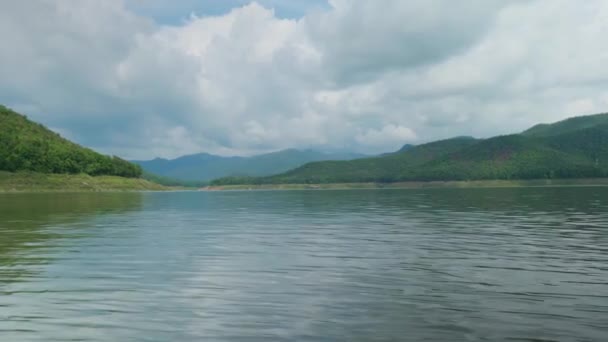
x: 573, y: 148
x: 205, y: 167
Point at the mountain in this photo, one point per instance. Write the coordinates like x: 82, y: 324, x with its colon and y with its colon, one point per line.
x: 567, y: 126
x: 204, y: 167
x: 405, y: 148
x: 29, y: 146
x: 573, y: 148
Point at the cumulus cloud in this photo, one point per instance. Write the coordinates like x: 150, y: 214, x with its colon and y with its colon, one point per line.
x: 363, y: 39
x: 360, y: 75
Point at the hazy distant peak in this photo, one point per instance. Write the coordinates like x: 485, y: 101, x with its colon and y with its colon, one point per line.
x: 205, y: 166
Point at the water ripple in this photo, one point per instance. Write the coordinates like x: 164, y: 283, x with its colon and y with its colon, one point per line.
x: 413, y: 265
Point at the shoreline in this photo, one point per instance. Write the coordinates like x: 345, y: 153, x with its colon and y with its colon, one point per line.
x: 574, y: 182
x: 62, y: 183
x: 31, y: 182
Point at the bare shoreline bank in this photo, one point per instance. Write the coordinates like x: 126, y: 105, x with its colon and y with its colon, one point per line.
x: 31, y: 182
x: 575, y: 182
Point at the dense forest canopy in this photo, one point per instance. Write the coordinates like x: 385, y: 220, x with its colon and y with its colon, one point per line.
x: 574, y: 148
x: 29, y: 146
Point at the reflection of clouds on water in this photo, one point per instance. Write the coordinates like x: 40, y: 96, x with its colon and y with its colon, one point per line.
x: 324, y: 265
x: 274, y: 286
x: 389, y: 266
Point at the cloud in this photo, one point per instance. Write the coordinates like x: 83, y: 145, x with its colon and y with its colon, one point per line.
x: 362, y: 75
x: 387, y: 137
x: 178, y: 12
x: 363, y: 39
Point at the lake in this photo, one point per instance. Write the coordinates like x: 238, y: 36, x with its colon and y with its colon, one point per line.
x: 518, y: 264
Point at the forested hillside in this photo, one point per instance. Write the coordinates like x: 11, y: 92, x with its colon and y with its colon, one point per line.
x: 29, y: 146
x: 567, y: 126
x: 574, y: 148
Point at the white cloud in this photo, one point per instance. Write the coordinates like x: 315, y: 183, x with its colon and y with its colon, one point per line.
x: 390, y: 137
x: 362, y: 75
x: 362, y: 39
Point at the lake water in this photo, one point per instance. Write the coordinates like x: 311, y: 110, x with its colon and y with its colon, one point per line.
x: 377, y: 265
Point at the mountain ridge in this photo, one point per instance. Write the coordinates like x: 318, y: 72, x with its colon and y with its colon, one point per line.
x: 205, y: 167
x: 572, y: 148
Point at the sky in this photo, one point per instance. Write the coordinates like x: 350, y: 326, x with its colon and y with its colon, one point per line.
x: 163, y: 78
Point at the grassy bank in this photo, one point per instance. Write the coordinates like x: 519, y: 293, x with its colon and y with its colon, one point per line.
x: 420, y: 185
x: 39, y: 182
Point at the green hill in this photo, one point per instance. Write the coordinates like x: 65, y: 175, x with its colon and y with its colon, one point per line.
x: 567, y: 126
x: 28, y: 146
x: 573, y: 148
x: 505, y: 157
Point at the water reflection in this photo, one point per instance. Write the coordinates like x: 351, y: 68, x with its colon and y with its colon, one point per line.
x: 32, y: 224
x: 385, y: 265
